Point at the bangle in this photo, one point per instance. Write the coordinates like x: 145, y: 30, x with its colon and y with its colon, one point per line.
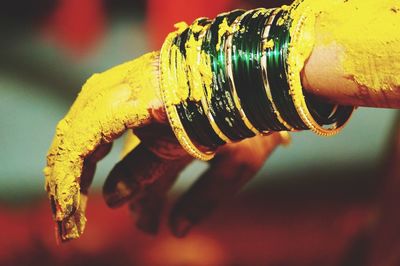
x: 238, y: 76
x: 229, y: 72
x: 221, y: 103
x: 246, y: 93
x: 251, y: 45
x: 205, y: 102
x: 185, y: 116
x: 265, y: 46
x: 191, y: 112
x: 276, y: 56
x: 168, y: 87
x: 340, y: 114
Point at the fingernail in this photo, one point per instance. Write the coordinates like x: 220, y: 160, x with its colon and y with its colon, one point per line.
x: 148, y: 214
x: 286, y: 138
x: 114, y: 200
x: 121, y: 194
x: 53, y: 206
x: 59, y: 232
x: 181, y: 226
x: 55, y: 209
x: 70, y: 210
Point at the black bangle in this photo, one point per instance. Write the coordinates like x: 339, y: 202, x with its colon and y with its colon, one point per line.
x: 248, y: 82
x: 265, y: 109
x: 248, y: 46
x: 247, y: 95
x: 191, y: 113
x: 222, y: 105
x: 276, y: 57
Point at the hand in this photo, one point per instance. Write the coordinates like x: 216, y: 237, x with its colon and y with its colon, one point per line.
x: 126, y: 97
x: 144, y: 177
x: 121, y: 98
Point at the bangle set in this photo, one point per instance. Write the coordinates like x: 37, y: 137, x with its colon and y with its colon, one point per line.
x: 228, y: 79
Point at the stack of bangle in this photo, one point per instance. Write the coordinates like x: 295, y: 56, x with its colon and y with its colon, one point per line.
x: 230, y: 79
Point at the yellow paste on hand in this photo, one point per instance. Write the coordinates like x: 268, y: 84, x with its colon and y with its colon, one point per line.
x: 193, y: 71
x: 120, y: 98
x: 108, y: 104
x: 223, y: 30
x: 366, y: 31
x: 369, y: 32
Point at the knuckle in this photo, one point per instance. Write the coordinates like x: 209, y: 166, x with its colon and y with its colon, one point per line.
x: 61, y: 127
x: 92, y: 80
x: 245, y: 162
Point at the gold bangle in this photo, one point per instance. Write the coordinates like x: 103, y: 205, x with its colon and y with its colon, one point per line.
x: 232, y: 86
x: 167, y: 90
x: 294, y: 66
x: 264, y: 70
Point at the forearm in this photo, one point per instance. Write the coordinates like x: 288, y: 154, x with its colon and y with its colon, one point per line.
x: 249, y: 73
x: 356, y: 55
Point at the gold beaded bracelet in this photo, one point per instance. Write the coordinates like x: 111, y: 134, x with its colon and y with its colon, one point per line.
x: 295, y: 64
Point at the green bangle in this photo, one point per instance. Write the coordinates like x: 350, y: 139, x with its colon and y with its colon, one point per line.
x: 221, y: 102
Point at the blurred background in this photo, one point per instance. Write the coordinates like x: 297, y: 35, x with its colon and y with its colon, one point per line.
x: 320, y: 201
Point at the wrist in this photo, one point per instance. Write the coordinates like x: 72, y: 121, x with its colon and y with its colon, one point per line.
x: 238, y: 76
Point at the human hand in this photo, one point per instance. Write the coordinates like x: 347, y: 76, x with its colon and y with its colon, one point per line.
x: 121, y: 98
x: 127, y: 97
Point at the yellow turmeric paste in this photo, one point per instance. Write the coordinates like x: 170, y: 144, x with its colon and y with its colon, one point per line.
x: 364, y: 33
x: 108, y: 104
x: 367, y: 30
x: 371, y: 61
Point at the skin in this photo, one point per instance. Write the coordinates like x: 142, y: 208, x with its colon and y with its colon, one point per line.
x: 355, y: 52
x: 127, y: 98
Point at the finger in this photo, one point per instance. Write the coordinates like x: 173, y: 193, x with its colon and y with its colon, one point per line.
x: 149, y: 204
x: 98, y: 117
x: 89, y: 166
x: 146, y: 174
x: 131, y: 141
x: 128, y: 176
x: 157, y: 154
x: 75, y: 224
x: 229, y: 171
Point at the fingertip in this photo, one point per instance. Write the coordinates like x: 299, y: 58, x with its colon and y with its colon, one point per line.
x: 58, y: 232
x: 115, y: 201
x: 286, y: 139
x: 180, y: 226
x: 180, y: 222
x: 100, y: 152
x: 53, y: 206
x: 148, y: 209
x: 124, y: 180
x: 116, y: 195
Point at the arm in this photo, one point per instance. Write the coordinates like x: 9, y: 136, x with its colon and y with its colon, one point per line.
x: 356, y: 54
x: 128, y: 97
